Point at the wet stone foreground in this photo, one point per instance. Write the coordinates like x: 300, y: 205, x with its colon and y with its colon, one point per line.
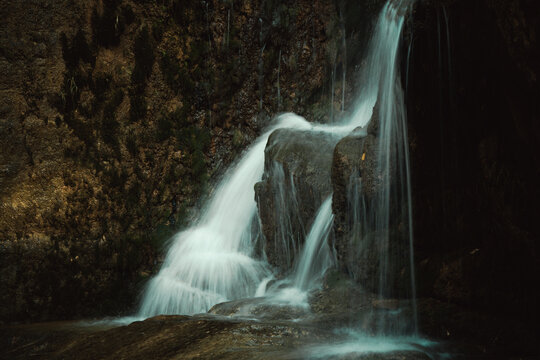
x: 256, y: 329
x: 179, y: 337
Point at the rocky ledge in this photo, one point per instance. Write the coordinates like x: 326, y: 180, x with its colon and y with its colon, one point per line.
x: 257, y: 329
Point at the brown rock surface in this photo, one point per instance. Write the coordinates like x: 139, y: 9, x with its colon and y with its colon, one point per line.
x: 295, y: 182
x: 99, y: 164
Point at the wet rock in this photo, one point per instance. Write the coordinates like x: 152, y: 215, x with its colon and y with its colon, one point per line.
x: 353, y: 178
x: 474, y: 164
x: 107, y: 189
x: 183, y: 337
x: 296, y: 181
x: 260, y: 308
x: 395, y: 355
x: 353, y: 160
x: 168, y: 337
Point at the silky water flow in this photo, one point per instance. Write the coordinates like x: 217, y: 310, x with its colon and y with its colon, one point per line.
x: 214, y: 260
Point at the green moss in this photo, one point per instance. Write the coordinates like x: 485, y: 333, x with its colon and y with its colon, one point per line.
x: 337, y: 279
x: 198, y: 167
x: 159, y: 237
x: 238, y: 139
x: 191, y: 138
x: 194, y: 141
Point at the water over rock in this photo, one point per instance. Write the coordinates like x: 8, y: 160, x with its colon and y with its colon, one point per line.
x: 183, y: 337
x: 358, y: 185
x: 354, y: 159
x: 296, y: 171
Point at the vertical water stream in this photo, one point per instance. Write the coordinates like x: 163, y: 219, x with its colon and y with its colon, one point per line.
x: 214, y: 259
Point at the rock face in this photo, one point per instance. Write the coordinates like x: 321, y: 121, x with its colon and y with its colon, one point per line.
x: 109, y: 133
x: 474, y: 153
x: 296, y: 181
x: 234, y: 335
x: 114, y: 115
x: 353, y: 163
x: 361, y: 244
x: 200, y: 337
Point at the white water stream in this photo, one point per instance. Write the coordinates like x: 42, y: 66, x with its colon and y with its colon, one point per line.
x: 315, y: 258
x: 213, y: 260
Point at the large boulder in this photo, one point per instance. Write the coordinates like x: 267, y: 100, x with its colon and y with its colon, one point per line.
x: 371, y: 232
x: 353, y: 179
x: 296, y: 181
x: 354, y: 160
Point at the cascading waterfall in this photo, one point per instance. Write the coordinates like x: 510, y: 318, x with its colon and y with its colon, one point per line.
x: 213, y: 260
x: 311, y: 264
x: 287, y: 214
x: 384, y: 223
x: 344, y: 59
x: 315, y: 258
x: 393, y: 148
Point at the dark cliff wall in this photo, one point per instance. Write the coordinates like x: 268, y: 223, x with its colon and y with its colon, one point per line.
x: 115, y: 114
x: 473, y: 117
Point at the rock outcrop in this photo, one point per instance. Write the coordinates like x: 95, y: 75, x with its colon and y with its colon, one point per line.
x: 474, y: 153
x: 363, y: 241
x: 113, y: 117
x: 295, y: 183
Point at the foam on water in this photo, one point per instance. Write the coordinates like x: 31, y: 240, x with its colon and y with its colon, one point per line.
x: 360, y: 344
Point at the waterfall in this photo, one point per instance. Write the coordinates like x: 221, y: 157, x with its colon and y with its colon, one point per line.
x: 343, y: 59
x: 214, y: 259
x: 332, y: 86
x: 315, y: 258
x: 278, y: 88
x: 384, y: 222
x: 287, y: 214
